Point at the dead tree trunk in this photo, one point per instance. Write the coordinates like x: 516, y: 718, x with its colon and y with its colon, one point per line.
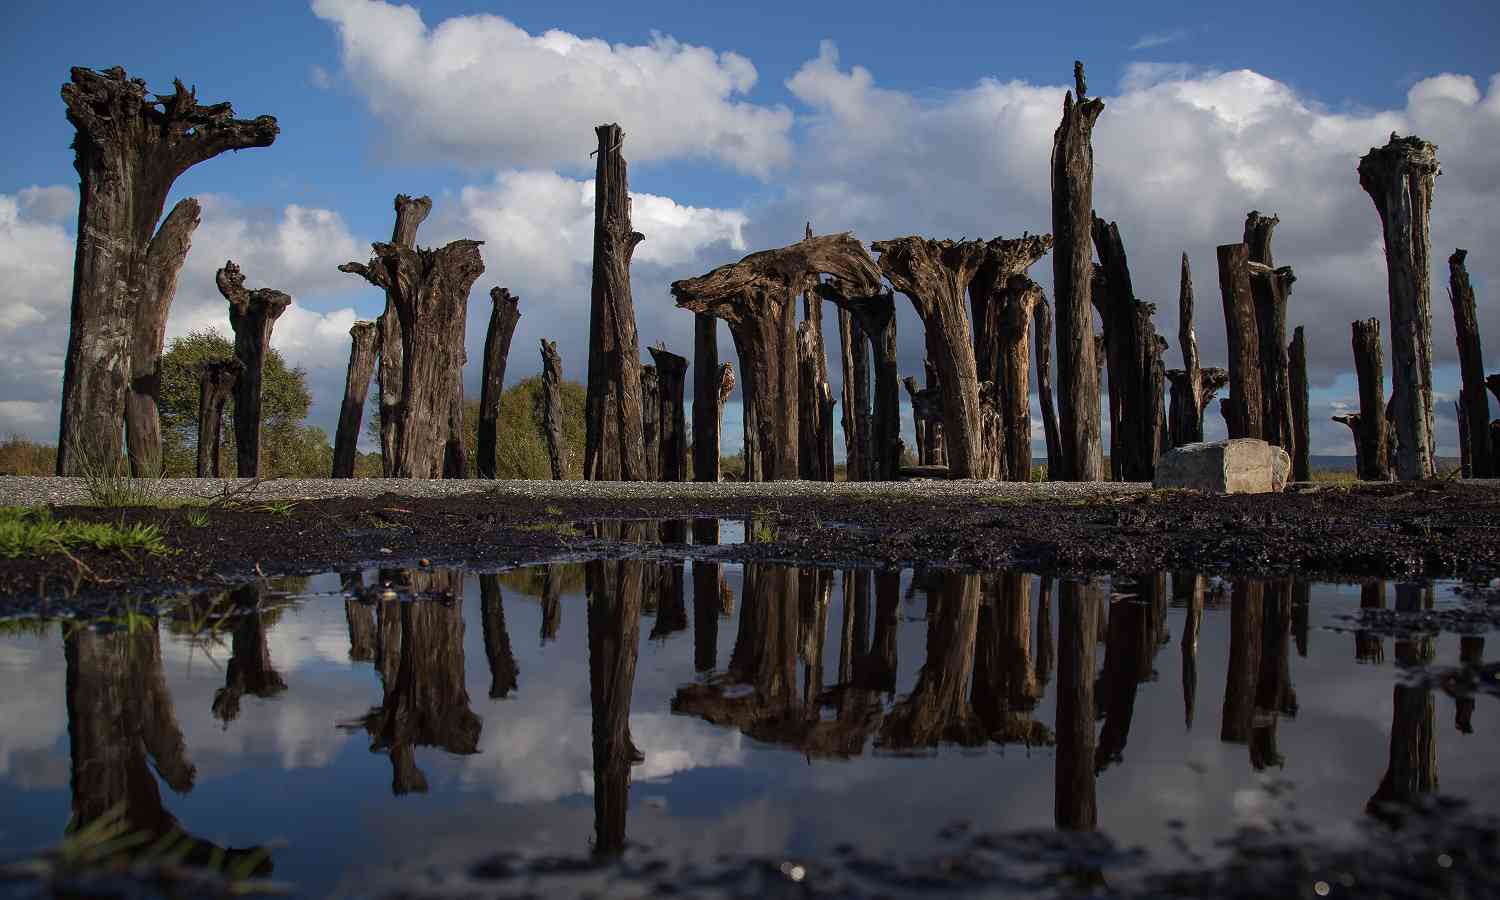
x: 251, y: 315
x: 1001, y: 298
x: 1072, y: 271
x: 552, y: 408
x: 1465, y: 463
x: 614, y: 628
x: 854, y: 357
x: 810, y: 422
x: 1185, y: 416
x: 1131, y: 352
x: 1369, y: 367
x: 754, y: 296
x: 926, y: 414
x: 1270, y: 287
x: 875, y: 314
x: 356, y: 387
x: 456, y: 448
x: 933, y: 275
x: 1246, y: 632
x: 706, y: 411
x: 1042, y: 339
x: 504, y: 314
x: 215, y: 387
x: 650, y: 424
x: 504, y: 673
x: 614, y: 448
x: 1399, y: 178
x: 671, y: 383
x: 129, y: 150
x: 1246, y: 406
x: 1476, y: 405
x: 1301, y: 430
x: 1353, y: 421
x: 937, y: 448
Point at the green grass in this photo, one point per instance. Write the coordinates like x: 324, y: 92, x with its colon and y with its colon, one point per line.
x: 561, y: 529
x: 33, y: 532
x: 762, y: 527
x: 197, y: 518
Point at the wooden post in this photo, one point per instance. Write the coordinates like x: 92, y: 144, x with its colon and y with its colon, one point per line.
x: 1270, y: 288
x: 1297, y: 384
x: 129, y: 151
x: 993, y: 458
x: 1131, y: 351
x: 1476, y: 405
x: 1042, y: 340
x: 1465, y: 463
x: 613, y: 443
x: 215, y: 386
x: 825, y: 434
x: 671, y: 384
x: 1399, y: 178
x: 1072, y: 270
x: 356, y: 387
x: 1369, y: 367
x: 251, y: 315
x: 505, y: 311
x: 1246, y: 406
x: 706, y: 409
x: 455, y: 446
x: 875, y: 314
x: 854, y: 358
x: 809, y: 407
x: 552, y: 409
x: 1185, y: 418
x: 650, y: 424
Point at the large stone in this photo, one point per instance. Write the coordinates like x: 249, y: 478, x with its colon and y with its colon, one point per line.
x: 1241, y: 466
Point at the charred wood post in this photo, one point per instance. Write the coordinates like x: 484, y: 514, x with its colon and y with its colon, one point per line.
x: 937, y: 448
x: 504, y: 314
x: 1270, y: 287
x: 934, y: 275
x: 1185, y: 414
x: 215, y: 387
x: 1369, y: 367
x: 875, y: 314
x: 1246, y: 405
x: 1399, y: 178
x: 809, y: 408
x: 1474, y: 402
x: 1296, y: 353
x: 251, y: 315
x: 552, y: 409
x: 706, y: 412
x: 1131, y: 352
x: 128, y: 151
x: 854, y: 356
x: 671, y: 384
x: 356, y: 387
x: 1465, y: 464
x: 1353, y: 421
x: 1042, y: 340
x: 754, y: 296
x: 1072, y: 271
x: 613, y: 444
x: 650, y: 424
x: 825, y: 437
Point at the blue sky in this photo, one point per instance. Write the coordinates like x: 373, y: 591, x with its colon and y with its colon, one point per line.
x: 899, y: 125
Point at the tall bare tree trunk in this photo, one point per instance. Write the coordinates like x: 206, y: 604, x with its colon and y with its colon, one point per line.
x: 1185, y: 416
x: 552, y: 409
x: 650, y: 424
x: 128, y: 151
x: 356, y: 387
x: 1474, y: 401
x: 1132, y: 353
x: 504, y: 313
x: 1301, y: 428
x: 1246, y: 406
x: 875, y: 314
x: 706, y: 412
x: 1001, y: 299
x: 671, y: 383
x: 854, y: 358
x: 215, y: 387
x: 1369, y: 367
x: 252, y: 315
x: 1042, y: 340
x: 1270, y: 287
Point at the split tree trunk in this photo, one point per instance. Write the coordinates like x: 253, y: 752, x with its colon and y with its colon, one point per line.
x: 1185, y: 416
x: 129, y: 151
x: 614, y: 448
x: 671, y: 383
x: 1474, y: 401
x: 1399, y: 178
x: 1246, y: 406
x: 706, y: 411
x: 1301, y: 427
x: 1369, y: 367
x: 356, y: 388
x: 1131, y: 352
x: 504, y: 314
x: 252, y: 315
x: 1072, y: 270
x: 215, y: 387
x: 875, y: 314
x: 1042, y: 339
x: 552, y: 409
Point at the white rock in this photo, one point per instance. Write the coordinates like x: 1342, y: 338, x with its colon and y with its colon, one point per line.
x: 1240, y: 466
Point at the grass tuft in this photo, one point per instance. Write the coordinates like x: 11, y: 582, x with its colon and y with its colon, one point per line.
x: 33, y: 532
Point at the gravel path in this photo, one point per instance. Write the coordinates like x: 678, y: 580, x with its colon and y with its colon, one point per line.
x: 30, y: 490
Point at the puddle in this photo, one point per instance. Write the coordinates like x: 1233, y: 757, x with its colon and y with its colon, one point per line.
x: 363, y: 725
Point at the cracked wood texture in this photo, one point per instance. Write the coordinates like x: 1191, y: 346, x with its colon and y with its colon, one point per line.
x: 158, y: 283
x: 671, y: 417
x: 1245, y: 406
x: 1369, y: 369
x: 505, y: 311
x: 1041, y: 324
x: 1001, y: 300
x: 705, y: 398
x: 552, y: 409
x: 650, y: 424
x: 614, y: 448
x: 1473, y: 399
x: 129, y: 148
x: 875, y: 314
x: 811, y: 424
x: 251, y: 315
x: 1399, y: 178
x: 854, y: 359
x: 755, y: 297
x: 1072, y: 270
x: 356, y: 387
x: 1270, y: 287
x: 1296, y: 353
x: 215, y: 387
x: 934, y: 274
x: 1131, y: 355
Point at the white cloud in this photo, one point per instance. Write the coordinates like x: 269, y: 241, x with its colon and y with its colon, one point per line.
x: 478, y: 90
x: 319, y: 78
x: 1158, y: 39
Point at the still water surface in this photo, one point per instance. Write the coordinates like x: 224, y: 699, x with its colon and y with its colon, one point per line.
x: 365, y: 724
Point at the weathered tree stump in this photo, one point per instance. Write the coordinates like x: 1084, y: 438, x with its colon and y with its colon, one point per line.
x: 1131, y: 352
x: 1072, y: 271
x: 455, y: 447
x: 1246, y: 405
x: 1465, y: 463
x: 1001, y: 299
x: 754, y: 296
x: 1270, y: 287
x: 1353, y: 421
x: 356, y: 387
x: 876, y: 316
x: 552, y: 409
x: 810, y: 422
x: 927, y: 414
x: 650, y: 424
x: 1399, y: 178
x: 993, y: 458
x: 129, y: 150
x: 1301, y: 428
x: 1042, y: 340
x: 1190, y: 396
x: 671, y: 383
x: 613, y: 447
x: 1475, y: 403
x: 251, y: 316
x: 215, y: 387
x: 854, y: 357
x: 1369, y: 368
x: 825, y: 434
x: 706, y: 411
x: 504, y: 314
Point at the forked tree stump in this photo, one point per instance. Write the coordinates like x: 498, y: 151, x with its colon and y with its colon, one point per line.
x: 356, y: 387
x: 552, y: 409
x: 215, y: 387
x: 251, y: 316
x: 706, y: 418
x: 1001, y: 299
x: 1369, y: 368
x: 1473, y: 400
x: 671, y: 417
x: 504, y: 314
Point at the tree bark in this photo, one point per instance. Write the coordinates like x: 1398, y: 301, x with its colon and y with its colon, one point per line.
x: 1185, y: 416
x: 1001, y: 298
x: 1131, y: 352
x: 1474, y: 401
x: 875, y: 314
x: 854, y: 358
x: 810, y: 422
x: 1369, y: 367
x: 215, y: 387
x: 706, y: 409
x: 504, y: 314
x: 650, y: 425
x: 1042, y: 339
x: 671, y: 380
x: 128, y: 151
x: 252, y: 315
x: 614, y: 448
x: 456, y: 448
x: 1075, y: 806
x: 1353, y: 421
x: 552, y: 409
x: 1399, y: 178
x: 1246, y: 406
x: 356, y: 386
x: 1270, y: 288
x: 1301, y: 430
x: 1072, y: 271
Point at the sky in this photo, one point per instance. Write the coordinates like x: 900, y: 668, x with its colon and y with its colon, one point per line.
x: 876, y: 118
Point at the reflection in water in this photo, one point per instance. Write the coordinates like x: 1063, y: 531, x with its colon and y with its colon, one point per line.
x: 1274, y: 694
x: 1078, y: 608
x: 1188, y: 592
x: 249, y: 670
x: 1006, y: 685
x: 1368, y: 646
x: 1246, y: 630
x: 938, y: 707
x: 1412, y: 770
x: 503, y: 670
x: 614, y: 626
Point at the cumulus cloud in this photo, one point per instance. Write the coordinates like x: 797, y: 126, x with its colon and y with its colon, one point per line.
x: 477, y: 90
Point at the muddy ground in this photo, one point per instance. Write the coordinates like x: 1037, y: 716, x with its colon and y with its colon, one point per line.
x: 1440, y: 528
